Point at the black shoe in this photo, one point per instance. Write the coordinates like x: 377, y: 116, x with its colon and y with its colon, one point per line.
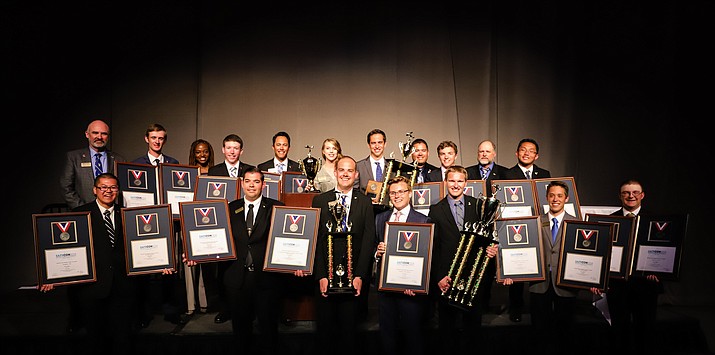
x: 173, y: 318
x: 515, y: 317
x: 221, y: 317
x: 185, y: 318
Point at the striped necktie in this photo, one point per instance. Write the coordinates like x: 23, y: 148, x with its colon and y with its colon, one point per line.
x: 98, y: 164
x: 528, y: 174
x: 459, y: 212
x: 109, y: 226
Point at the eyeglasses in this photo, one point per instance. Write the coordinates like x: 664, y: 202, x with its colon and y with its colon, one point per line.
x: 398, y: 193
x: 634, y: 193
x: 108, y: 188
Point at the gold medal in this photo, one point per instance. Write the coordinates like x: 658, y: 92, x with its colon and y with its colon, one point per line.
x: 517, y: 237
x: 373, y: 187
x: 147, y: 227
x: 586, y: 243
x: 216, y: 192
x: 181, y: 182
x: 299, y: 189
x: 293, y: 227
x: 514, y: 198
x: 137, y: 182
x: 64, y: 236
x: 421, y: 200
x: 206, y: 220
x: 408, y: 245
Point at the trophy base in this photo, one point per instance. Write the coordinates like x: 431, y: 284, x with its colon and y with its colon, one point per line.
x: 464, y: 306
x: 341, y: 290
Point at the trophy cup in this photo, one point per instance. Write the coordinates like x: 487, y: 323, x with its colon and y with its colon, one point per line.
x: 340, y: 276
x: 477, y: 236
x: 398, y: 168
x: 310, y: 167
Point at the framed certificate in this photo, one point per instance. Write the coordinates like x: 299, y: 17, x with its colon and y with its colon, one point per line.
x: 572, y: 207
x: 659, y: 245
x: 271, y: 186
x: 518, y: 197
x: 64, y: 248
x: 520, y: 255
x: 177, y: 184
x: 585, y: 254
x: 139, y: 184
x: 217, y: 188
x: 624, y: 232
x: 206, y: 231
x: 149, y: 239
x: 475, y: 187
x: 293, y: 182
x: 408, y: 256
x: 426, y: 194
x: 291, y: 240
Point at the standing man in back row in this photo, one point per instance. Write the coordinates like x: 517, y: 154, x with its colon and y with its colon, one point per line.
x: 527, y: 152
x: 373, y: 166
x: 155, y: 139
x: 280, y: 162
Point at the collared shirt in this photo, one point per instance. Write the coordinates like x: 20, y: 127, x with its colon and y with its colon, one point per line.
x: 111, y: 213
x: 256, y: 204
x: 374, y: 166
x: 486, y: 170
x: 635, y: 212
x: 348, y: 198
x: 452, y: 206
x: 403, y: 214
x: 530, y: 170
x: 153, y: 159
x: 560, y: 218
x: 229, y: 166
x: 102, y: 158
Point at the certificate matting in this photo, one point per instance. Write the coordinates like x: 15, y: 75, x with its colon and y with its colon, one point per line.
x: 271, y: 186
x: 177, y: 184
x: 518, y: 198
x: 138, y: 183
x: 206, y: 231
x: 291, y: 240
x: 149, y: 239
x: 520, y: 256
x: 426, y: 194
x: 659, y: 245
x: 475, y: 188
x: 294, y: 182
x: 217, y: 188
x: 572, y: 207
x: 64, y: 248
x: 622, y: 247
x: 407, y: 259
x: 585, y: 254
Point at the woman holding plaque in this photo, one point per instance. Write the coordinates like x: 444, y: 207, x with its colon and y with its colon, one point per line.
x: 325, y: 178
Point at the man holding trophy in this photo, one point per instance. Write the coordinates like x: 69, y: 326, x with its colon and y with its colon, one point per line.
x: 343, y: 259
x: 453, y: 216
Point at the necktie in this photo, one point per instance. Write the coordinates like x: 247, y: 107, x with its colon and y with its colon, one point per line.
x: 459, y: 212
x: 378, y: 172
x: 97, y: 164
x: 485, y: 173
x: 249, y: 227
x: 344, y: 222
x: 554, y: 229
x: 631, y: 214
x: 156, y: 162
x: 420, y: 177
x: 280, y: 168
x: 109, y: 226
x: 234, y: 171
x: 528, y: 174
x: 397, y: 216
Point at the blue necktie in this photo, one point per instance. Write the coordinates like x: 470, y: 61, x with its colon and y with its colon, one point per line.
x: 378, y: 172
x: 97, y: 164
x: 554, y: 229
x: 485, y: 173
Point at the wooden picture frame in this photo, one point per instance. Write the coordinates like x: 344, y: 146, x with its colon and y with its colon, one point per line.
x: 292, y: 239
x: 206, y: 231
x: 585, y: 253
x: 407, y: 261
x: 138, y: 183
x: 217, y: 188
x: 572, y: 207
x: 521, y: 250
x: 624, y: 234
x: 149, y: 239
x: 518, y: 197
x: 176, y: 183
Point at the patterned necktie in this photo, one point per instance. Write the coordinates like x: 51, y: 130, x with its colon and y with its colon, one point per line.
x: 109, y: 226
x: 528, y: 174
x: 631, y: 214
x: 279, y: 168
x: 554, y: 229
x: 378, y: 172
x: 234, y: 171
x: 420, y: 177
x: 249, y: 227
x: 485, y: 173
x: 459, y: 212
x: 344, y: 221
x: 397, y: 216
x: 97, y: 164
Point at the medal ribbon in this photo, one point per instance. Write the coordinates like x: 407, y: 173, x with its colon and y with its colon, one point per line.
x: 216, y: 185
x: 136, y: 173
x: 299, y: 182
x: 146, y: 218
x: 294, y: 218
x: 63, y: 226
x: 180, y: 174
x: 516, y: 228
x: 408, y: 235
x: 205, y: 211
x: 587, y: 234
x: 513, y: 190
x: 661, y: 227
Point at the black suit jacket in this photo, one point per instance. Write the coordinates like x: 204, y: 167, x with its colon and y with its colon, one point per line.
x: 235, y: 271
x: 435, y: 175
x: 425, y: 171
x: 222, y: 169
x: 446, y: 233
x: 498, y: 172
x: 110, y: 264
x: 144, y: 159
x: 292, y: 165
x: 382, y: 218
x: 363, y: 234
x: 515, y: 173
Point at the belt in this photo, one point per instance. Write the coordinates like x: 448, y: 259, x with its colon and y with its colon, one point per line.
x: 249, y: 267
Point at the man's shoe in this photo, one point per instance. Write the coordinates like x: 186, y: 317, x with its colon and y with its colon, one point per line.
x: 515, y: 317
x: 221, y: 317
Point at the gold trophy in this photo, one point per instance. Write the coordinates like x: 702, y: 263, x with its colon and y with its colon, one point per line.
x: 397, y: 168
x: 340, y: 276
x: 310, y: 167
x: 471, y: 253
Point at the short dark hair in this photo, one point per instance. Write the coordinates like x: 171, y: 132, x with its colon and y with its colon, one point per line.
x: 233, y: 138
x: 106, y: 176
x: 155, y: 127
x: 420, y: 140
x: 446, y: 144
x: 455, y: 169
x: 279, y: 134
x: 252, y: 169
x: 376, y: 131
x: 528, y: 140
x: 558, y: 183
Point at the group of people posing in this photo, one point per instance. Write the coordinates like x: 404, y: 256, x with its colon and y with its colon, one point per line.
x: 243, y: 293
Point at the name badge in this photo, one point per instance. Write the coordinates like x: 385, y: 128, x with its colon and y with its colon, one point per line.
x: 86, y: 164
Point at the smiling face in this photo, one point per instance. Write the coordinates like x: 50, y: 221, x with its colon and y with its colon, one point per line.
x: 346, y: 174
x: 232, y: 150
x: 456, y: 182
x: 447, y: 155
x: 631, y: 196
x: 281, y: 148
x: 156, y: 140
x: 421, y: 154
x: 330, y: 151
x: 377, y: 145
x: 527, y: 154
x: 557, y: 197
x: 202, y: 153
x: 252, y: 185
x: 400, y: 194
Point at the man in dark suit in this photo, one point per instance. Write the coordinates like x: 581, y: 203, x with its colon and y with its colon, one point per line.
x: 155, y: 138
x: 82, y: 166
x: 232, y: 149
x: 449, y: 216
x: 252, y: 293
x: 447, y: 152
x: 280, y: 162
x: 486, y: 169
x: 374, y: 164
x: 400, y: 313
x: 420, y: 156
x: 633, y: 303
x: 527, y: 152
x: 336, y: 314
x: 106, y: 305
